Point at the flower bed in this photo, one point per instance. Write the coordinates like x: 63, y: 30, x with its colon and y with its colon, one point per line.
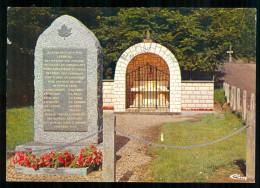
x: 63, y: 162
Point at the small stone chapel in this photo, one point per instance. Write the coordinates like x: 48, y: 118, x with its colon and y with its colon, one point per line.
x: 148, y: 79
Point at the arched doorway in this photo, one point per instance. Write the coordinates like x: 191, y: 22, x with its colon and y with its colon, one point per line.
x: 120, y: 79
x: 147, y: 83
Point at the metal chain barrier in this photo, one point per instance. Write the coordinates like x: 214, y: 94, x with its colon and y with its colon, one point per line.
x: 179, y: 147
x: 141, y: 140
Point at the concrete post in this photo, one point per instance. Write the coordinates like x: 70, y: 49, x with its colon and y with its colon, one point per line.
x: 234, y: 98
x: 252, y: 101
x: 238, y: 99
x: 109, y: 149
x: 244, y: 106
x: 250, y: 145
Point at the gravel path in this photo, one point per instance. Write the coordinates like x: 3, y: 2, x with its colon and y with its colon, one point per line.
x: 132, y: 157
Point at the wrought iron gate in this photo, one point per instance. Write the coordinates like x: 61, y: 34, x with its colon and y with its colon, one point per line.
x: 147, y: 87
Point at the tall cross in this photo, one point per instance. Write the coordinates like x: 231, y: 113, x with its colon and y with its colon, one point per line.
x: 230, y: 52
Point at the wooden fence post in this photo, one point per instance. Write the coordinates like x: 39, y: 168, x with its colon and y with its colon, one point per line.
x: 225, y: 89
x: 252, y: 101
x: 228, y: 94
x: 234, y: 98
x: 250, y: 145
x: 244, y: 106
x: 231, y: 97
x: 109, y: 150
x: 238, y: 99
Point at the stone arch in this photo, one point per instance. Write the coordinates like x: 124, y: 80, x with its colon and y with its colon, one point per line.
x: 120, y: 74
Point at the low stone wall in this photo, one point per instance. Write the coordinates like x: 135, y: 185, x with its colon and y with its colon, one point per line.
x: 197, y: 95
x: 108, y: 94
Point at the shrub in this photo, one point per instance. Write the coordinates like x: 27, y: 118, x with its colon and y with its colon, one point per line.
x: 219, y: 96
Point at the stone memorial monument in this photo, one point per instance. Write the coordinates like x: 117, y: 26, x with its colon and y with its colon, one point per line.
x: 68, y: 87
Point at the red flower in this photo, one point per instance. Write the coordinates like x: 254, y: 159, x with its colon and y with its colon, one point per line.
x: 52, y: 154
x: 30, y: 150
x: 79, y: 162
x: 65, y: 159
x: 87, y: 158
x: 66, y: 154
x: 47, y: 158
x: 91, y: 160
x: 27, y: 162
x: 81, y: 156
x: 85, y: 164
x: 34, y: 166
x: 61, y: 160
x: 21, y: 157
x: 93, y: 147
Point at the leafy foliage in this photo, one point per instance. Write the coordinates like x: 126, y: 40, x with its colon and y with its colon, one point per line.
x: 199, y: 38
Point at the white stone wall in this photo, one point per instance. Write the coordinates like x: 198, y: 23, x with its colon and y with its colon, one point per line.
x: 197, y: 95
x: 120, y: 74
x: 108, y: 94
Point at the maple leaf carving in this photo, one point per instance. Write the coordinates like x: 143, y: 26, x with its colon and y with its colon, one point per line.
x: 64, y: 31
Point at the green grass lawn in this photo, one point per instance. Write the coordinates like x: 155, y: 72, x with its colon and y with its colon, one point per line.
x: 197, y: 164
x: 19, y: 126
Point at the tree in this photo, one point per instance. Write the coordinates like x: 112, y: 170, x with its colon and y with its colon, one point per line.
x: 199, y: 38
x: 24, y: 26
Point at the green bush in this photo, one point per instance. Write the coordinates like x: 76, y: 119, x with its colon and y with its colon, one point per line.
x: 219, y: 96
